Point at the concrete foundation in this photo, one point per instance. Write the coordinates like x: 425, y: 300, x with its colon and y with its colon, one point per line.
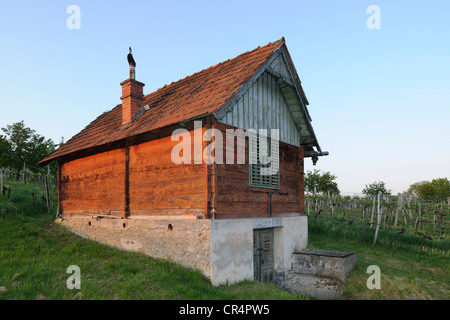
x: 221, y: 249
x: 232, y: 246
x: 184, y: 241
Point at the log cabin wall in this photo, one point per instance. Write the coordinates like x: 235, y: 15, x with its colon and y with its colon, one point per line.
x: 235, y: 197
x: 93, y: 184
x: 150, y: 184
x: 97, y: 184
x: 160, y: 187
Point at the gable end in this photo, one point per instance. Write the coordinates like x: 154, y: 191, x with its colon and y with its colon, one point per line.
x: 282, y: 91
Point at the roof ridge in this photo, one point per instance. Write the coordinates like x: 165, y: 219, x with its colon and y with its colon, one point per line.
x: 199, y: 93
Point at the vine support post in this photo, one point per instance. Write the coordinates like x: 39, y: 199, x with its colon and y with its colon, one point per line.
x: 379, y: 214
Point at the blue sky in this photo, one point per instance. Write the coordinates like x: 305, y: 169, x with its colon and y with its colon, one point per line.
x: 379, y: 99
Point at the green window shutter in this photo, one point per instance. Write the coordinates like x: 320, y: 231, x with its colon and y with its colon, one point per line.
x: 275, y: 165
x: 259, y: 147
x: 254, y: 163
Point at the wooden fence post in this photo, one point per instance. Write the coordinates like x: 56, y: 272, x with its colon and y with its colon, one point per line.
x: 47, y: 190
x: 23, y: 174
x: 307, y: 199
x: 373, y: 211
x: 399, y: 207
x: 332, y: 208
x: 1, y: 185
x: 379, y: 214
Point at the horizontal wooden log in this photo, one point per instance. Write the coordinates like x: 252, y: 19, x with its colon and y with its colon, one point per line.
x: 166, y: 212
x: 240, y: 215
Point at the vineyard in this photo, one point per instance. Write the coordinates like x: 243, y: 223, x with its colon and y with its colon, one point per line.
x: 23, y: 192
x: 402, y: 215
x: 428, y: 221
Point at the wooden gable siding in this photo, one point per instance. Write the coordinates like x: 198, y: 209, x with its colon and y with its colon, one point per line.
x: 93, y: 184
x: 235, y: 197
x: 160, y: 187
x: 263, y: 106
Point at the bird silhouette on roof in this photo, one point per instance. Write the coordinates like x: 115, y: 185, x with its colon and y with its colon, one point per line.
x: 130, y: 59
x: 132, y: 64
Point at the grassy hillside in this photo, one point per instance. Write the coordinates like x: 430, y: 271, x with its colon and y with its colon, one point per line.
x: 35, y: 254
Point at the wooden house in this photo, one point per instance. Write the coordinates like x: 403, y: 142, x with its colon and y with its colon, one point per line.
x: 214, y: 211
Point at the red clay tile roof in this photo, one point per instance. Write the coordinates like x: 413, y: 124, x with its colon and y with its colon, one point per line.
x: 201, y: 93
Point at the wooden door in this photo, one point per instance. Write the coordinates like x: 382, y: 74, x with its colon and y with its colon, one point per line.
x: 263, y: 264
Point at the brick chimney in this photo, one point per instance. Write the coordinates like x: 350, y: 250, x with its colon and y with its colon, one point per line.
x: 132, y: 99
x: 132, y: 93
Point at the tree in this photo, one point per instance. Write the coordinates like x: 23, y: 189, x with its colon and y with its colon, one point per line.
x: 5, y: 150
x: 437, y: 189
x: 413, y: 189
x: 18, y: 137
x: 23, y: 145
x: 441, y: 187
x: 316, y: 181
x: 372, y: 189
x: 39, y: 149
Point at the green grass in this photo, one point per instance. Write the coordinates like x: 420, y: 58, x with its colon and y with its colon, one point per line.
x: 21, y: 202
x: 407, y: 272
x: 35, y: 253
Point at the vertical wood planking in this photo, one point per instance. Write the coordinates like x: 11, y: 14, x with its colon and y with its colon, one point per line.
x: 241, y: 112
x: 249, y: 108
x: 263, y: 106
x: 260, y: 124
x: 254, y: 110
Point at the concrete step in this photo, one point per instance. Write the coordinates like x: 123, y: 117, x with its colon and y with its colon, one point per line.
x: 319, y: 287
x: 327, y: 263
x: 319, y: 273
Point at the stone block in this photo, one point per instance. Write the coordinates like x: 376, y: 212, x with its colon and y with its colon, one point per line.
x: 327, y: 263
x: 319, y: 287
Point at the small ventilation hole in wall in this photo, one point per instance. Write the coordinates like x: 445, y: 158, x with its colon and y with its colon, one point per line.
x: 170, y: 227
